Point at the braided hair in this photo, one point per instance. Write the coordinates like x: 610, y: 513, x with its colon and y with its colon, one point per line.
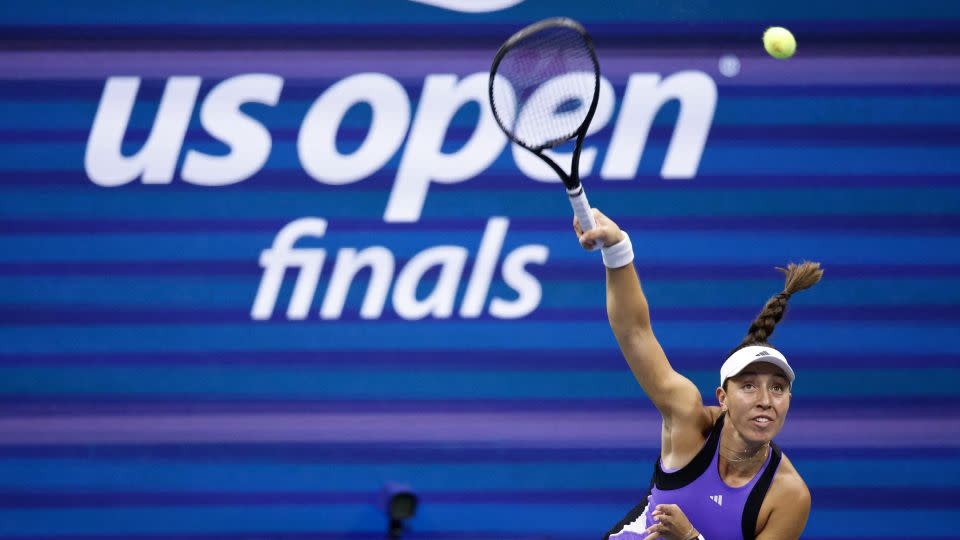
x: 798, y: 277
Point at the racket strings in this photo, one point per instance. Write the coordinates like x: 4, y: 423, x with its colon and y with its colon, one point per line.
x: 543, y: 87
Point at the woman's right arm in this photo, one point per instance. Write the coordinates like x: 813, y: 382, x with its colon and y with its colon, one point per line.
x: 675, y: 396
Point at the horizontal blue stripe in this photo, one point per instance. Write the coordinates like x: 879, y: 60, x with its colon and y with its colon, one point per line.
x: 731, y: 158
x: 530, y: 519
x: 718, y: 158
x: 294, y: 89
x: 443, y: 453
x: 321, y: 535
x: 500, y: 177
x: 458, y: 534
x: 445, y: 360
x: 875, y: 498
x: 265, y: 477
x: 786, y: 110
x: 87, y: 201
x: 767, y: 247
x: 839, y: 337
x: 220, y: 12
x: 877, y: 223
x: 858, y: 38
x: 289, y: 16
x: 877, y: 523
x: 727, y: 90
x: 713, y: 291
x: 702, y: 200
x: 542, y: 519
x: 294, y: 518
x: 906, y: 275
x: 38, y: 315
x: 86, y: 474
x: 896, y: 135
x: 324, y: 382
x: 228, y: 294
x: 803, y: 406
x: 114, y: 500
x: 827, y: 111
x: 378, y: 535
x: 211, y: 382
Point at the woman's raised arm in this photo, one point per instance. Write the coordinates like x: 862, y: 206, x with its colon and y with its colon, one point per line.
x: 675, y: 396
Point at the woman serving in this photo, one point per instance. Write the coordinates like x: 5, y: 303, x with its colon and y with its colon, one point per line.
x: 720, y: 476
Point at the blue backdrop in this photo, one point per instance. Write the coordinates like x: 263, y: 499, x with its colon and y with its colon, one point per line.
x: 257, y: 260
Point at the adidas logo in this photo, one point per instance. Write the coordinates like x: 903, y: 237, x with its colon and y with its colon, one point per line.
x: 762, y: 353
x: 717, y: 499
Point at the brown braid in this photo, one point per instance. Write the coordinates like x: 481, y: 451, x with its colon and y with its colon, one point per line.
x: 798, y: 278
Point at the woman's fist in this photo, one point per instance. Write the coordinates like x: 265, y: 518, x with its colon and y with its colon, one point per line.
x: 670, y: 524
x: 605, y: 234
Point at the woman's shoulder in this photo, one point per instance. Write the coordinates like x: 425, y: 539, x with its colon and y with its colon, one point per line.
x: 788, y: 482
x: 788, y: 494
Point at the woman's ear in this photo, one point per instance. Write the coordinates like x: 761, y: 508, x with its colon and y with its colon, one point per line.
x: 722, y: 399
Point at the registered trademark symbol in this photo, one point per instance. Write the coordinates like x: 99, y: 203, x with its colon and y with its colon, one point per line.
x: 729, y: 65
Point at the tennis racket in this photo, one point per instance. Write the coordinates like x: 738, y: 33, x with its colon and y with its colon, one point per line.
x: 544, y: 88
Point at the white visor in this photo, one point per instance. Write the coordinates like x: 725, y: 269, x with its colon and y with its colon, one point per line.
x: 754, y: 353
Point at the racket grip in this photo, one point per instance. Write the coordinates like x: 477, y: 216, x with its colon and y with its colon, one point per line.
x: 581, y: 209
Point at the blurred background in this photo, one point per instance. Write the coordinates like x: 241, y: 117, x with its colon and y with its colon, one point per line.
x: 172, y: 366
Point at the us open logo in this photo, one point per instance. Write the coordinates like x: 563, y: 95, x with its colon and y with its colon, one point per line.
x: 419, y: 139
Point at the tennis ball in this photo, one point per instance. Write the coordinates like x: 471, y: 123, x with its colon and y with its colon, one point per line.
x: 779, y: 42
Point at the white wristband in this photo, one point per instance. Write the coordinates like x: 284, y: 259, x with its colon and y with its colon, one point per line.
x: 619, y: 254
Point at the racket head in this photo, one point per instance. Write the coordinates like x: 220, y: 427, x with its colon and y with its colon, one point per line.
x: 545, y: 83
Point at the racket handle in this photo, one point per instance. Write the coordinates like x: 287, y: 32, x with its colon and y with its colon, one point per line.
x: 581, y: 209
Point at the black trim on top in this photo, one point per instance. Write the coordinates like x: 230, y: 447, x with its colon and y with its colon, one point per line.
x: 694, y: 469
x: 751, y: 510
x: 675, y: 480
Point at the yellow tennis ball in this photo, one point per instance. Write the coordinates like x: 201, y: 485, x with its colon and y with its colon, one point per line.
x: 779, y: 42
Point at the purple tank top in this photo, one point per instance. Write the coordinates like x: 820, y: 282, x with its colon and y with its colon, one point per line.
x: 718, y: 511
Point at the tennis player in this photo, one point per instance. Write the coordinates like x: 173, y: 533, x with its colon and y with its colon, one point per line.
x: 720, y: 476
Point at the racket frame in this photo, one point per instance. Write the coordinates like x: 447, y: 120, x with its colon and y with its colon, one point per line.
x: 578, y: 198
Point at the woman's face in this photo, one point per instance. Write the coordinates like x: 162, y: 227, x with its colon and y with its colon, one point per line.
x: 756, y: 401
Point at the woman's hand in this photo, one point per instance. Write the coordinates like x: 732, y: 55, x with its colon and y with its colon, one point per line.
x: 606, y: 232
x: 671, y: 524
